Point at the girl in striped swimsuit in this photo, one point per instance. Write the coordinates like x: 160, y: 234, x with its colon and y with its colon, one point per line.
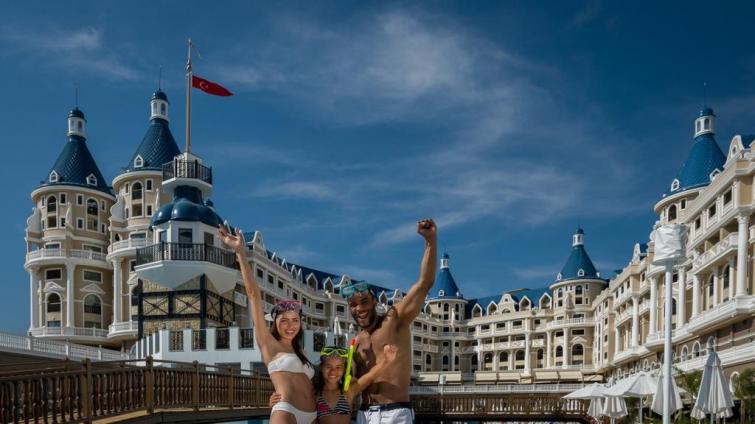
x: 333, y: 404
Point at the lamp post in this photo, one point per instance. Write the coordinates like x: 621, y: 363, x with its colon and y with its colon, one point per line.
x: 669, y: 242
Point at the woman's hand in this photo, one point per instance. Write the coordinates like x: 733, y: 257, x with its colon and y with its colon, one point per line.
x: 274, y: 398
x: 237, y: 242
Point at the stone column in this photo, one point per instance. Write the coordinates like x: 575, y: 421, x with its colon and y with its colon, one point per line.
x: 548, y: 349
x: 742, y: 248
x: 41, y: 303
x: 495, y: 359
x: 635, y: 320
x: 567, y: 358
x: 714, y: 301
x: 527, y: 353
x: 681, y: 305
x: 33, y: 299
x: 117, y: 291
x: 70, y: 295
x: 695, y: 295
x: 616, y: 341
x: 730, y: 294
x: 653, y: 306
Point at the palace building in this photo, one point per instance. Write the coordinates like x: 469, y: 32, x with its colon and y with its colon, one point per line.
x: 134, y: 263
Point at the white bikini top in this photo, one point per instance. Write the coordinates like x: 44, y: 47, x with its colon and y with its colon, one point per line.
x: 289, y: 362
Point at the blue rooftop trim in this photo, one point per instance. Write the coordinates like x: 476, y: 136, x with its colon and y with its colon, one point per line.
x: 578, y: 260
x: 157, y: 147
x: 74, y: 164
x: 187, y: 206
x: 705, y: 157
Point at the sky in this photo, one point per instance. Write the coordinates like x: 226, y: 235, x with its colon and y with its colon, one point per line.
x: 510, y: 123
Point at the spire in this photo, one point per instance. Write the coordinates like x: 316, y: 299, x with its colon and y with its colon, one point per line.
x: 704, y: 123
x: 159, y: 106
x: 445, y: 286
x: 578, y: 238
x: 579, y: 265
x: 77, y: 123
x: 158, y: 145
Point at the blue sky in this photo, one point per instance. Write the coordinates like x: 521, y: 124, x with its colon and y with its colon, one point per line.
x: 509, y: 123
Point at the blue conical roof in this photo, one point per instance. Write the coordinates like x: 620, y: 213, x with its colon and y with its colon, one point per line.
x: 704, y: 158
x: 74, y: 164
x: 445, y: 286
x: 579, y: 265
x: 158, y: 145
x: 187, y: 205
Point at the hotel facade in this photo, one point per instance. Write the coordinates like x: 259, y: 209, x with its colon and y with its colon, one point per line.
x: 134, y: 263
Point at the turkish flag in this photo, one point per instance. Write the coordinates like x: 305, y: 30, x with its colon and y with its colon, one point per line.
x: 209, y: 86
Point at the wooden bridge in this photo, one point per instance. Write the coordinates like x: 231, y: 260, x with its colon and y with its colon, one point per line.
x: 164, y: 391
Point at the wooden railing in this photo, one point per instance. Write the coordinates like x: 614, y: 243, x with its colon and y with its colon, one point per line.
x: 85, y: 391
x: 521, y: 407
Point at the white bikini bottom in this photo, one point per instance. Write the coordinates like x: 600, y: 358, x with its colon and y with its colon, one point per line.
x: 302, y: 417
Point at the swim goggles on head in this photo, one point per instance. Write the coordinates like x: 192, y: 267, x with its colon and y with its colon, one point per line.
x: 350, y: 289
x: 285, y: 306
x: 334, y: 351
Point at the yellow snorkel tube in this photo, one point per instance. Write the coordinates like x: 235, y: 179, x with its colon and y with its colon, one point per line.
x: 349, y: 359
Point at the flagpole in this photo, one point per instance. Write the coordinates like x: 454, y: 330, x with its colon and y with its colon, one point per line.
x: 188, y: 101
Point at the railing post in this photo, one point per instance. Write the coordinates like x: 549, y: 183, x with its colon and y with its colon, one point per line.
x: 85, y: 387
x: 149, y: 385
x: 195, y: 385
x: 230, y: 388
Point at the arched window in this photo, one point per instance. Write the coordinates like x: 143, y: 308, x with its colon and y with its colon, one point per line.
x: 706, y: 123
x: 697, y: 126
x: 578, y: 291
x: 92, y: 305
x: 53, y: 303
x: 428, y: 360
x: 136, y: 191
x: 329, y: 287
x: 445, y: 359
x: 91, y: 180
x: 163, y: 109
x: 138, y: 162
x: 524, y: 305
x: 696, y: 350
x: 92, y: 215
x: 520, y: 355
x: 492, y: 308
x: 52, y: 204
x: 672, y: 213
x: 488, y: 358
x: 456, y: 360
x: 559, y: 351
x: 685, y: 353
x: 581, y: 273
x: 441, y: 293
x: 577, y: 350
x: 540, y: 354
x: 476, y: 311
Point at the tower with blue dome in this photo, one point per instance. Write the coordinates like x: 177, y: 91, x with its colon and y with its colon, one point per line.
x: 67, y: 241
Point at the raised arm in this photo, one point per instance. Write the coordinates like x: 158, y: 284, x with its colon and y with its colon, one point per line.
x: 409, y: 308
x: 238, y: 244
x: 358, y: 385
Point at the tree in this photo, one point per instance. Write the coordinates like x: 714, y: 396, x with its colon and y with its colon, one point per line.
x: 690, y: 382
x: 744, y: 390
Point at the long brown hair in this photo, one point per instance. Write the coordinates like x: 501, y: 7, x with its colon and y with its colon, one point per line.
x: 296, y: 343
x: 319, y: 381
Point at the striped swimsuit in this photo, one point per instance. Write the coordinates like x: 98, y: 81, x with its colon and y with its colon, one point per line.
x: 341, y: 408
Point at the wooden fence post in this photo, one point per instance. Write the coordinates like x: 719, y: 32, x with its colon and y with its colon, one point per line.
x: 230, y: 388
x: 149, y: 385
x: 195, y: 385
x: 85, y: 387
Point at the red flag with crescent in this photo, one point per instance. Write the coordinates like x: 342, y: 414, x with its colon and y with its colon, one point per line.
x: 209, y: 86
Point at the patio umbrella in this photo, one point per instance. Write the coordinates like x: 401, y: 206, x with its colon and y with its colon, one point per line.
x: 337, y: 326
x: 676, y: 399
x: 596, y: 408
x: 592, y: 391
x: 714, y: 397
x: 638, y: 385
x: 614, y: 407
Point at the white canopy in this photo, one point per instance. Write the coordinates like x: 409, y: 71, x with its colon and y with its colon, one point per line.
x: 676, y: 399
x: 592, y: 391
x: 714, y: 397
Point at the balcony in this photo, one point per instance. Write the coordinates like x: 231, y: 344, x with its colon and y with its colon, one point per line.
x: 715, y: 253
x: 187, y: 170
x: 123, y: 329
x: 721, y: 314
x: 569, y: 322
x: 632, y: 352
x: 126, y: 246
x: 81, y: 333
x: 172, y: 264
x: 41, y: 256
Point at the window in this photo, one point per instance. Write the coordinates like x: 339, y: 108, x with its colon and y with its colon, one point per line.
x: 706, y: 123
x: 92, y: 305
x: 62, y: 198
x: 91, y: 180
x: 62, y: 222
x: 126, y: 187
x: 52, y: 204
x: 136, y: 191
x: 712, y: 211
x: 53, y: 177
x: 581, y: 273
x: 149, y: 210
x: 92, y: 276
x: 184, y: 235
x: 79, y: 199
x: 441, y: 293
x: 53, y: 303
x: 683, y: 204
x: 727, y: 197
x: 92, y: 215
x: 674, y: 185
x: 163, y: 109
x: 260, y: 273
x: 138, y: 162
x: 672, y: 213
x: 102, y: 205
x: 79, y: 223
x: 148, y: 185
x: 53, y: 274
x: 137, y: 209
x: 697, y: 223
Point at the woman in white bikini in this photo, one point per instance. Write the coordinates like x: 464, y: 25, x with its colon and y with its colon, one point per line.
x: 281, y: 345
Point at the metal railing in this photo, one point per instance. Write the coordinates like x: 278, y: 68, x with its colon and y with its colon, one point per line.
x: 13, y: 342
x: 165, y: 251
x: 187, y: 169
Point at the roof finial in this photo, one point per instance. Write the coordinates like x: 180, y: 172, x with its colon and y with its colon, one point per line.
x: 76, y: 94
x: 705, y: 94
x: 160, y: 79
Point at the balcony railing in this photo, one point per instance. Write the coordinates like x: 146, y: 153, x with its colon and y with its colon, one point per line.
x: 127, y: 244
x: 187, y: 169
x: 165, y: 251
x: 123, y: 327
x: 61, y: 253
x: 570, y: 321
x: 729, y: 243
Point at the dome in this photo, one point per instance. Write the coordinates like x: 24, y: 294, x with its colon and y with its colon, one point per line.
x: 76, y: 113
x: 159, y: 95
x: 187, y: 206
x: 706, y: 111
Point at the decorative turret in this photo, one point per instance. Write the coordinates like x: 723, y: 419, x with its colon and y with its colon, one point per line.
x: 158, y: 146
x: 704, y: 160
x: 579, y: 265
x: 159, y: 106
x: 76, y: 123
x: 75, y: 164
x: 445, y: 286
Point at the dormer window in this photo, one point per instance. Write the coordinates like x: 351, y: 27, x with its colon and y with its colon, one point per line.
x: 53, y: 177
x: 138, y: 162
x: 558, y: 277
x: 91, y: 180
x: 675, y: 185
x: 441, y: 293
x: 581, y: 273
